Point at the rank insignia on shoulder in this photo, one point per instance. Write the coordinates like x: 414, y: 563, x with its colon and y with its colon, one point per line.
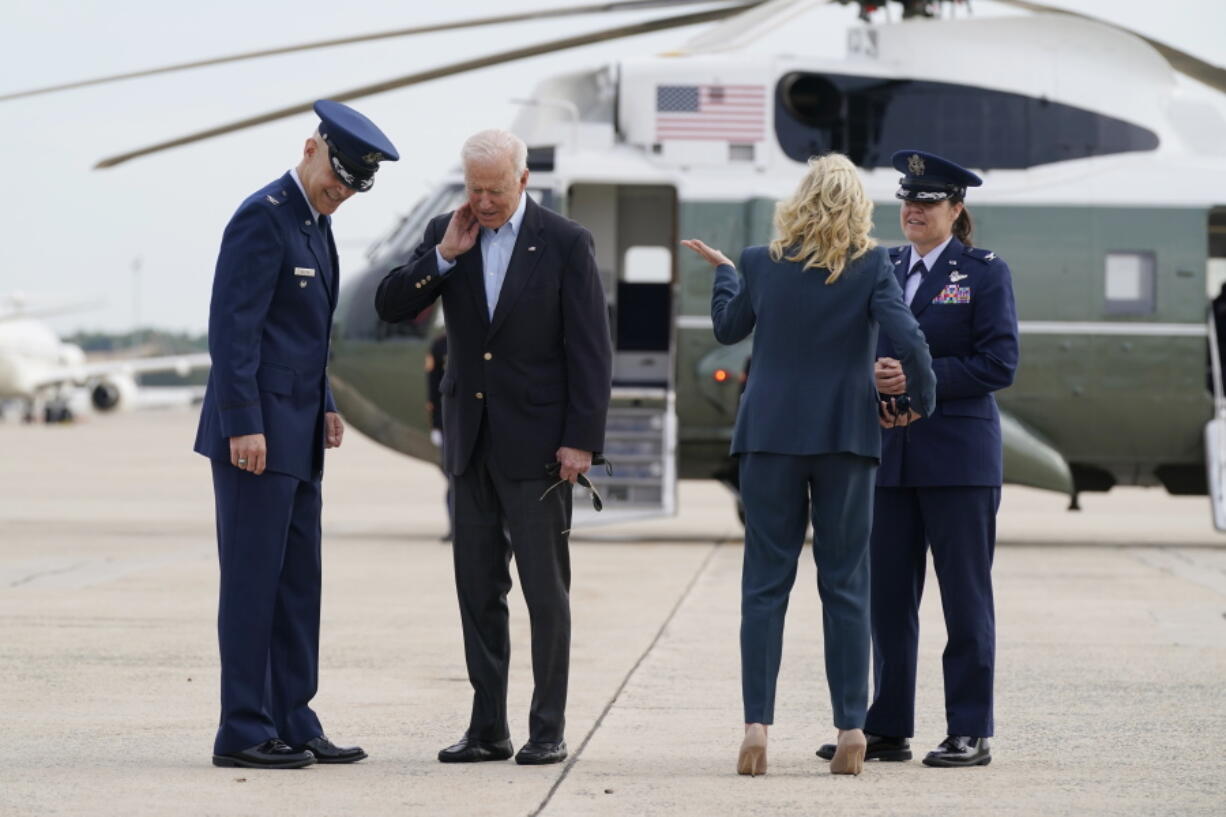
x: 271, y: 199
x: 990, y: 256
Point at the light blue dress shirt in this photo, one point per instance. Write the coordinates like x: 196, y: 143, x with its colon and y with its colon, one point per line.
x: 496, y: 248
x: 293, y: 172
x: 930, y: 261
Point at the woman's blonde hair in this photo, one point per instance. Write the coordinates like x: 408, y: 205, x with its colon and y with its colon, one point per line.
x: 827, y: 221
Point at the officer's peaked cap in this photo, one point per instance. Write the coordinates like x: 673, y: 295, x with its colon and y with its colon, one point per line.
x: 928, y: 177
x: 355, y: 144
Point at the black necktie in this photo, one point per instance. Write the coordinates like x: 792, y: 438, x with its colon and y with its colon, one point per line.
x: 917, y: 269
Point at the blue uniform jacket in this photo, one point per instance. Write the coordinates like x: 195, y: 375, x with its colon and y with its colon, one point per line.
x: 274, y: 291
x: 810, y: 388
x: 965, y: 307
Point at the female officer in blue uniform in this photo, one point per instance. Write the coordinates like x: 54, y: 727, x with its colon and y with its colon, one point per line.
x: 806, y: 432
x: 939, y: 481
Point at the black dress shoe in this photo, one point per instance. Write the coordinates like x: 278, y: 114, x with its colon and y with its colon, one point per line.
x: 880, y: 747
x: 325, y: 751
x: 271, y: 754
x: 469, y: 750
x: 539, y: 754
x: 957, y: 750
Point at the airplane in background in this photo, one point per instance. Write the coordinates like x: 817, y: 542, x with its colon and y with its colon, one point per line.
x: 44, y: 374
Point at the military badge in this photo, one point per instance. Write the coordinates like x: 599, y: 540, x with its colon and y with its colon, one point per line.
x: 373, y: 158
x: 956, y: 277
x: 953, y: 294
x: 915, y: 164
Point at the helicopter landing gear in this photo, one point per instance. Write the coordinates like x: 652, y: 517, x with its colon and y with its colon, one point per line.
x: 730, y: 477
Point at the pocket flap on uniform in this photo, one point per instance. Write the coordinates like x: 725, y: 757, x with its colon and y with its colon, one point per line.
x: 544, y: 395
x: 275, y: 379
x: 969, y: 407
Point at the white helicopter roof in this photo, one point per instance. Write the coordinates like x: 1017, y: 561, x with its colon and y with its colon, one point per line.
x: 1072, y: 61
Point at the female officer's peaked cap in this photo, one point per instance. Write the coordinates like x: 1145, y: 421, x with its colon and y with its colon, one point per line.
x: 928, y: 177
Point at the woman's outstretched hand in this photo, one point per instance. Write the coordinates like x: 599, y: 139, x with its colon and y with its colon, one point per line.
x: 709, y: 254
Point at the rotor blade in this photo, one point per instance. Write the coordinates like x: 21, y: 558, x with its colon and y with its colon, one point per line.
x: 539, y: 14
x: 1212, y: 75
x: 435, y: 73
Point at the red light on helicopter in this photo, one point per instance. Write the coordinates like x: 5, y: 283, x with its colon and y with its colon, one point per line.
x: 720, y: 375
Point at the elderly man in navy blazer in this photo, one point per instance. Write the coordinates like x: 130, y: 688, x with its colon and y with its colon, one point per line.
x: 527, y: 387
x: 267, y: 416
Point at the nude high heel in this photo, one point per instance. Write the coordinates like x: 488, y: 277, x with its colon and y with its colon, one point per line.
x: 849, y: 754
x: 752, y: 759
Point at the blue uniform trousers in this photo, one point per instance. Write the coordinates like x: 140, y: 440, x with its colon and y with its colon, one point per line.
x: 960, y: 525
x: 268, y: 534
x: 777, y: 491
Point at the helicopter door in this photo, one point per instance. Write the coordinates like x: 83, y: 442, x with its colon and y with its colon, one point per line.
x: 635, y: 231
x: 1215, y: 324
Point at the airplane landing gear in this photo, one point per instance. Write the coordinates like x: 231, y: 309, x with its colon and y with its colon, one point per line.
x: 56, y: 410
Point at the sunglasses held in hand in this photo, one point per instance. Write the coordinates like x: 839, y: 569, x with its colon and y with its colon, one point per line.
x: 554, y: 469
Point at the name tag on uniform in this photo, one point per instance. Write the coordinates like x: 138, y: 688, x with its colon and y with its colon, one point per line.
x: 304, y: 272
x: 953, y: 294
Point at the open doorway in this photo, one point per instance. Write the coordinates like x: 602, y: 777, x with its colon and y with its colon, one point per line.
x: 635, y: 231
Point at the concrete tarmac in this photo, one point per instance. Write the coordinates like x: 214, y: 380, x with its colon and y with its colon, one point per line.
x: 1111, y: 673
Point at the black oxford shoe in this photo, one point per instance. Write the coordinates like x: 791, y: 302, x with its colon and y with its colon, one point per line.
x: 957, y: 750
x: 880, y: 747
x: 325, y: 751
x: 271, y: 754
x: 469, y: 750
x: 539, y: 754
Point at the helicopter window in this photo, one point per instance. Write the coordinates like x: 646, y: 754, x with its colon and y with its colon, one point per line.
x: 868, y: 118
x: 1129, y: 283
x: 647, y: 265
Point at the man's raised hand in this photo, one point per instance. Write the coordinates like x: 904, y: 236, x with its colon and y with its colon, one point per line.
x: 461, y: 233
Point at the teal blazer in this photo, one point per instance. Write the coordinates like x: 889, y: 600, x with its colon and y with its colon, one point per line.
x: 811, y: 388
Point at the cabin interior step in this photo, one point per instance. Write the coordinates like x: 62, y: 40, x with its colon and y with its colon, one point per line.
x: 634, y: 228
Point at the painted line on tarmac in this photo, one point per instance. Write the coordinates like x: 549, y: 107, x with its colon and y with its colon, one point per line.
x: 574, y: 758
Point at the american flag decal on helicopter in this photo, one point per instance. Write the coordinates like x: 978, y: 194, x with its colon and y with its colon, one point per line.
x: 730, y: 113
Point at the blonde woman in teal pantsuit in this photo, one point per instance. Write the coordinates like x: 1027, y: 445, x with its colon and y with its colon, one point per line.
x: 808, y: 435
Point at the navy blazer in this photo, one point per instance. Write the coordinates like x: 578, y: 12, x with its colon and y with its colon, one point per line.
x: 811, y: 388
x: 270, y: 320
x: 965, y: 307
x: 542, y: 368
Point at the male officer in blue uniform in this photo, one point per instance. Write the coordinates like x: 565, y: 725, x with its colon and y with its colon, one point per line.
x: 939, y: 481
x: 267, y: 416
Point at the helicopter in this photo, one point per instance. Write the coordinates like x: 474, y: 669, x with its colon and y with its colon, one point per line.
x: 1103, y: 183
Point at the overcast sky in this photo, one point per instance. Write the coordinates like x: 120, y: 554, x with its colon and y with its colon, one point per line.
x: 69, y: 231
